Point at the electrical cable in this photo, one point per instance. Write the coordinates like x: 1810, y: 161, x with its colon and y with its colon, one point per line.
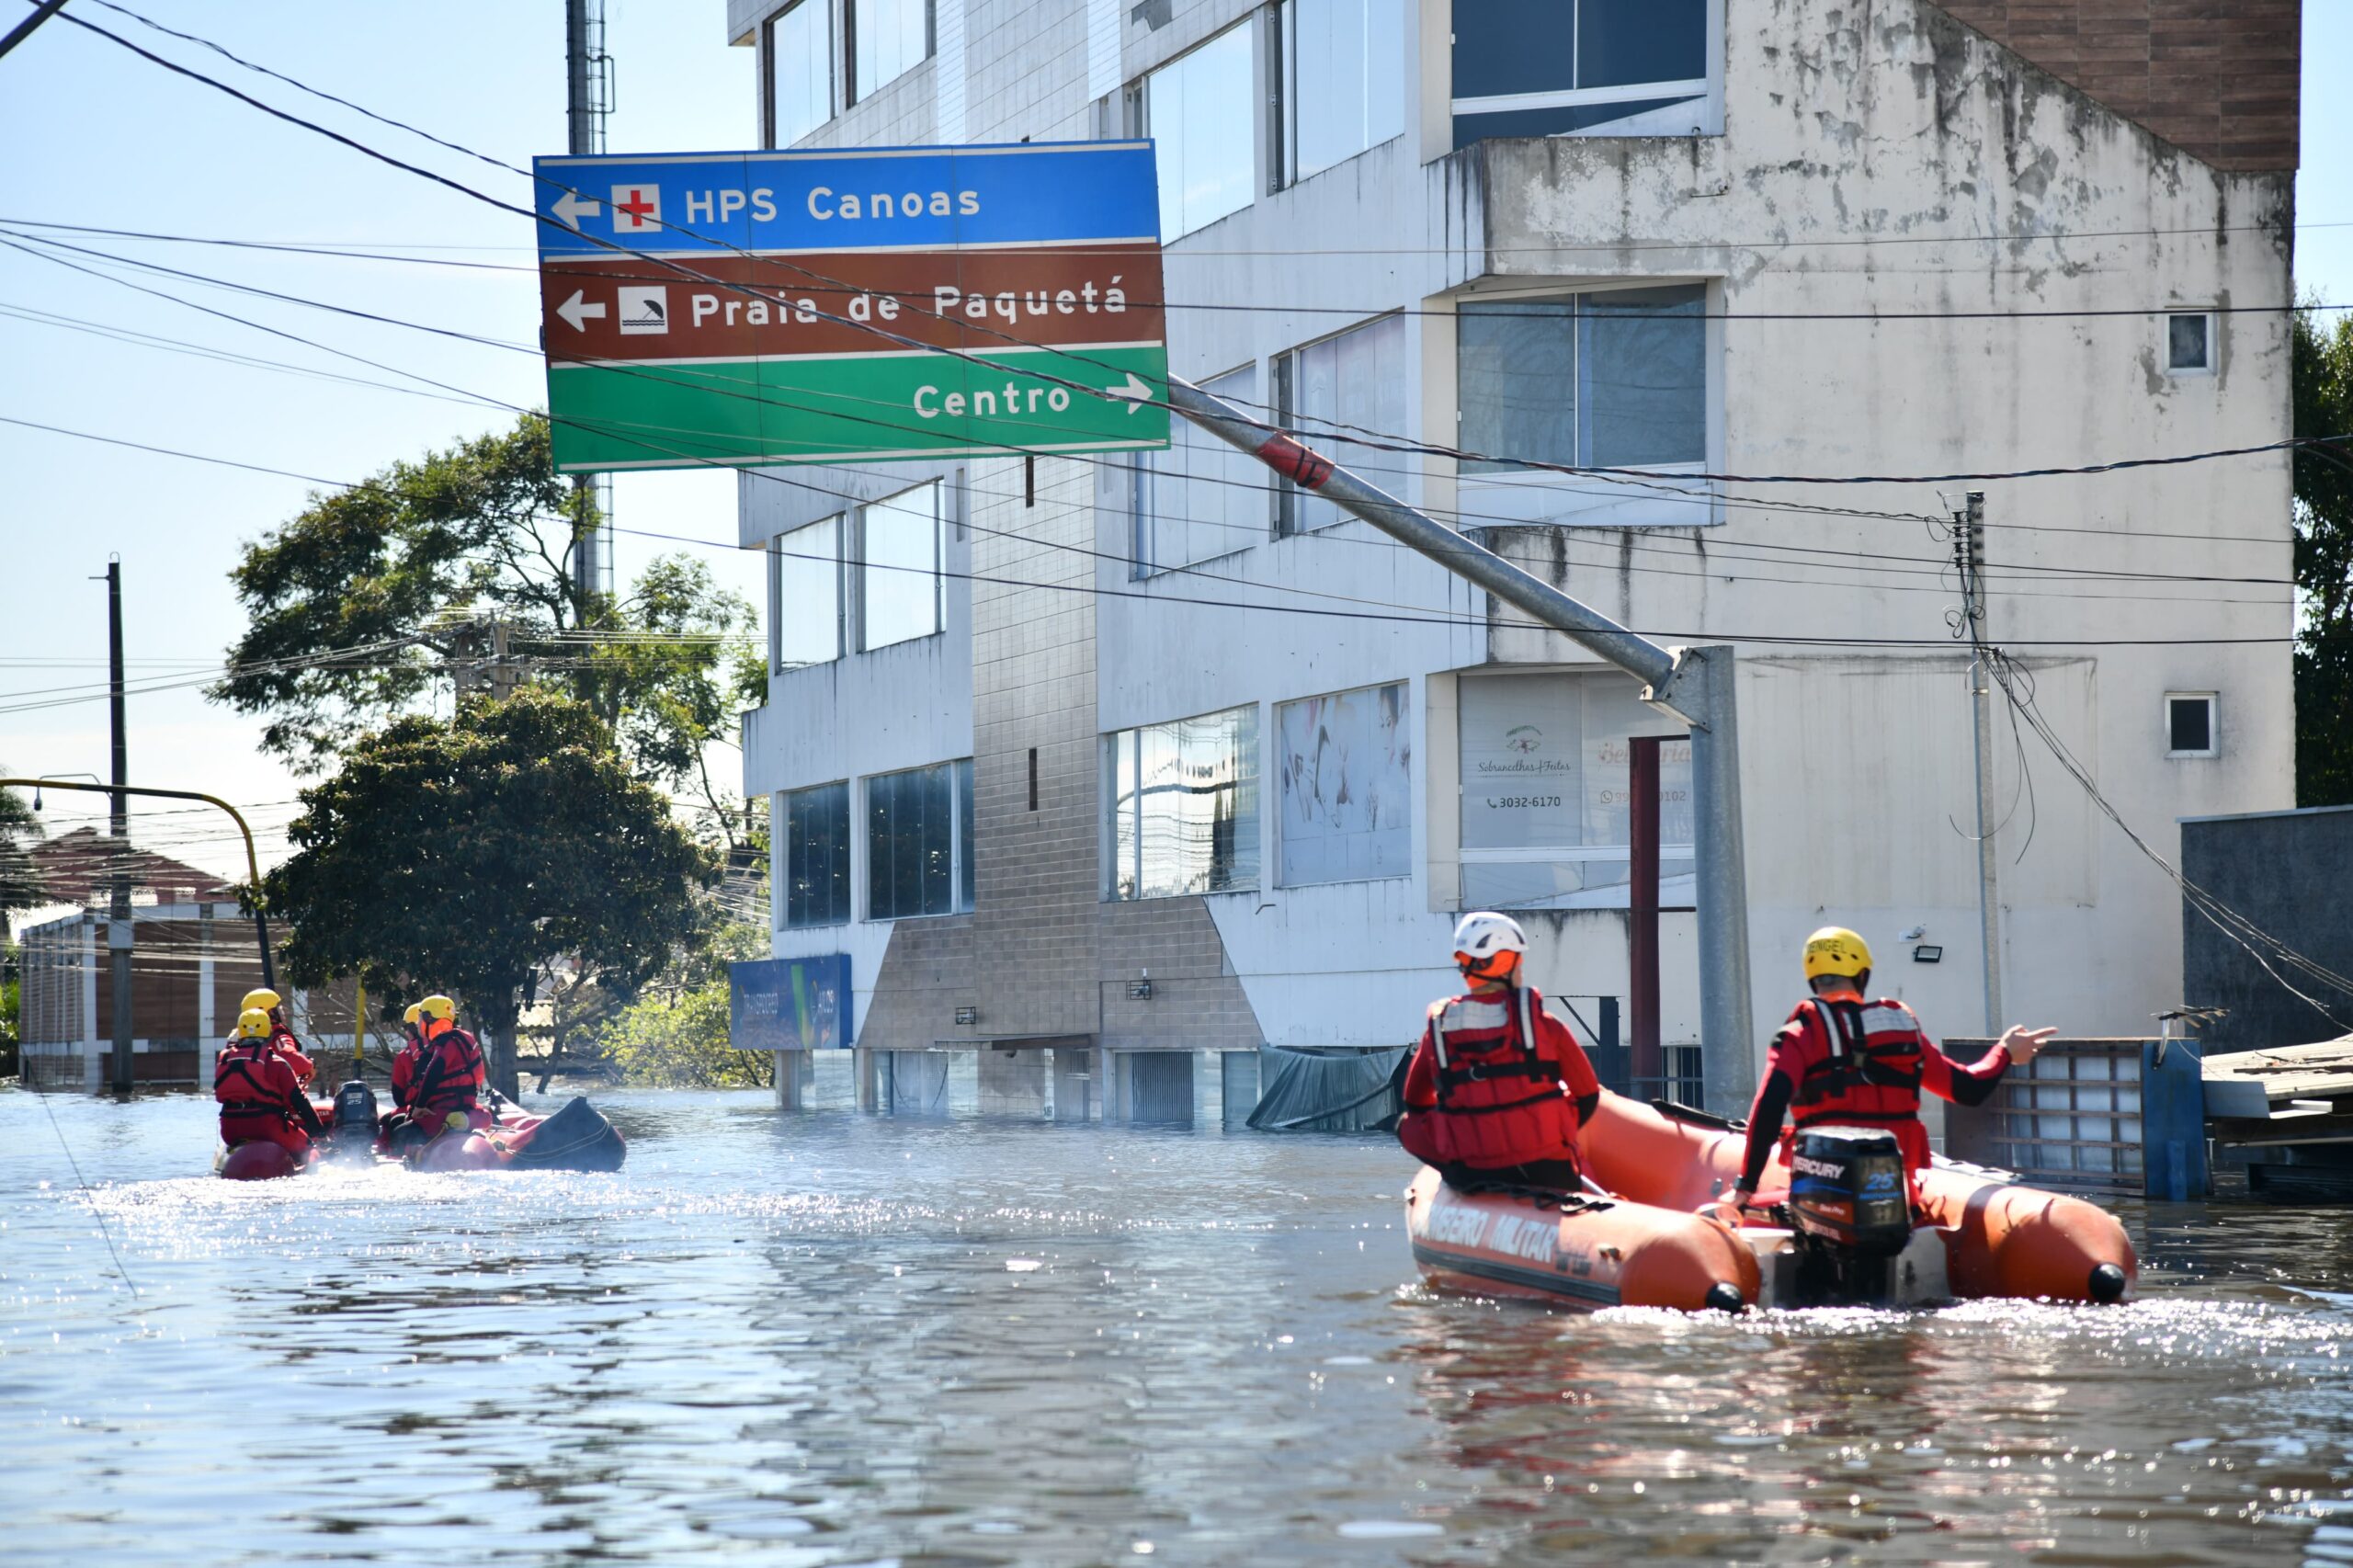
x: 1378, y: 439
x: 1487, y: 304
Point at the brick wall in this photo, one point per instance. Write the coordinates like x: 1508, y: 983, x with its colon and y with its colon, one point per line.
x: 1033, y: 685
x: 2217, y: 78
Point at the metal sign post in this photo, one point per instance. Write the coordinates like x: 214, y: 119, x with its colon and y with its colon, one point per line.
x: 742, y: 309
x: 1695, y: 685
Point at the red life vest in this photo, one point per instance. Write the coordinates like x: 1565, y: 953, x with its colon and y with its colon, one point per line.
x: 453, y: 1063
x: 291, y: 1049
x: 1500, y: 1098
x: 1861, y: 1066
x: 250, y: 1078
x: 405, y: 1066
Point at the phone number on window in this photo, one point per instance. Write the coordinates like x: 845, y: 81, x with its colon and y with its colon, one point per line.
x: 1521, y: 802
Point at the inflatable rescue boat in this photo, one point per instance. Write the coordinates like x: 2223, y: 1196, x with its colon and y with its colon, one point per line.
x: 1843, y: 1235
x: 575, y: 1138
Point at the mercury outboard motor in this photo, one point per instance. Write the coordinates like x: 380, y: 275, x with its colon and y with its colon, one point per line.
x: 1851, y: 1207
x: 355, y: 1117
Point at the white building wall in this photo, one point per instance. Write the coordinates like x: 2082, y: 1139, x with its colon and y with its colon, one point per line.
x: 1883, y: 162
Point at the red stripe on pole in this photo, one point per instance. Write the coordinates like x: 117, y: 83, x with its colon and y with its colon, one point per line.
x: 1295, y: 462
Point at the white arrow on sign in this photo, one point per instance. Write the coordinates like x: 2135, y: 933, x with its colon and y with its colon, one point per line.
x: 571, y: 207
x: 1135, y: 394
x: 580, y: 313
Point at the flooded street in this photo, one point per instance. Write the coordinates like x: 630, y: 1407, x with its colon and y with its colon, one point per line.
x: 835, y: 1340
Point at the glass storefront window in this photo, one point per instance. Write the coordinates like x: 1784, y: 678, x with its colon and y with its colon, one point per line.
x: 816, y: 864
x: 1185, y: 806
x: 1345, y: 769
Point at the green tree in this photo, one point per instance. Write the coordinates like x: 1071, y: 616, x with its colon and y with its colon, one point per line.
x: 19, y: 889
x: 471, y: 855
x: 678, y: 1034
x: 2324, y: 407
x: 20, y: 831
x: 369, y: 600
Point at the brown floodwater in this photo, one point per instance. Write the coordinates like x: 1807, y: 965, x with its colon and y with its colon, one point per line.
x: 833, y: 1340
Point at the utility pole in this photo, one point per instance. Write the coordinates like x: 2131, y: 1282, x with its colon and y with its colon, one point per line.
x: 1695, y: 685
x: 587, y: 100
x: 119, y: 929
x: 502, y: 666
x: 1969, y: 559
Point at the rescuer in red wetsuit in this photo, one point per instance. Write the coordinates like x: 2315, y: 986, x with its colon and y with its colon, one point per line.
x: 280, y: 1035
x: 259, y: 1094
x: 1498, y: 1086
x: 450, y: 1072
x: 1845, y: 1062
x: 404, y: 1062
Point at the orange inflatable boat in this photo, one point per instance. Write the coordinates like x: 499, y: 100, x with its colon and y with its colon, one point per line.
x: 1641, y: 1244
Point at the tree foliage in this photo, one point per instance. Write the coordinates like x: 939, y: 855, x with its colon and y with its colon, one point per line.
x: 19, y: 881
x: 677, y: 1035
x: 368, y: 601
x: 2324, y: 407
x: 469, y: 854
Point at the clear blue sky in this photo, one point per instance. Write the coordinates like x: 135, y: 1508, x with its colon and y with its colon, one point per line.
x: 101, y: 138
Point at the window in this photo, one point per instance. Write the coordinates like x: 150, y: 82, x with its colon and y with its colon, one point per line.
x: 2189, y: 345
x: 1355, y: 379
x: 1614, y: 379
x: 1197, y: 109
x: 919, y: 842
x: 2190, y: 724
x: 801, y: 71
x: 1553, y: 67
x: 1185, y: 806
x: 1347, y: 79
x: 1545, y: 775
x: 1201, y: 498
x: 899, y: 582
x: 1345, y: 767
x: 1603, y: 381
x: 805, y: 597
x: 816, y: 866
x: 887, y: 39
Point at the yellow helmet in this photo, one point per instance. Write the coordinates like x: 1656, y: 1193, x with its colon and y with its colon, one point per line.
x: 1833, y: 949
x: 253, y: 1024
x: 263, y: 998
x: 438, y: 1006
x: 413, y: 1008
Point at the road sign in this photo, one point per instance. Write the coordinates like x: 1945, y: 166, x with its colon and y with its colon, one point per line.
x: 741, y: 308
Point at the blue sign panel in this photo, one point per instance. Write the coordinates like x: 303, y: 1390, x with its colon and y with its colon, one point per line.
x: 790, y: 1003
x: 859, y: 199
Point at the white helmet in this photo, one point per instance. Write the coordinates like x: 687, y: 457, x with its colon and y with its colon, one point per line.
x: 1482, y: 935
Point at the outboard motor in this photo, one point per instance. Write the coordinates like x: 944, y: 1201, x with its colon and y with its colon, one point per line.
x: 355, y: 1118
x: 1851, y: 1208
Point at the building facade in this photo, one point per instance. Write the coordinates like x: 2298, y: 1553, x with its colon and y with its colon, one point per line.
x: 1092, y: 765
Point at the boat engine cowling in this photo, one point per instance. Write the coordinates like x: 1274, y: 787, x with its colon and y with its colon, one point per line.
x: 354, y: 1113
x: 1847, y: 1188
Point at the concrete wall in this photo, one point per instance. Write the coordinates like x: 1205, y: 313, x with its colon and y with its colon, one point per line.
x: 1878, y: 160
x: 2286, y: 872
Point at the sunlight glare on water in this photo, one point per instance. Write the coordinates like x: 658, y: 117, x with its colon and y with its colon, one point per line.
x: 830, y: 1340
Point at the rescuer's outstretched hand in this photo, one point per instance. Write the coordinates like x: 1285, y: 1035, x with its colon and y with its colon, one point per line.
x: 2021, y: 1042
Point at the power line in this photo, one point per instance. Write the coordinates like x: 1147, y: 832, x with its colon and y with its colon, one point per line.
x: 1488, y: 306
x: 1378, y: 439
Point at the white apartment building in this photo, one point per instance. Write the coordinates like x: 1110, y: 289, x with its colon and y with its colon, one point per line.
x: 1095, y: 764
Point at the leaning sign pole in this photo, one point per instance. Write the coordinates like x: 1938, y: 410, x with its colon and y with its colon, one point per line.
x: 1694, y: 685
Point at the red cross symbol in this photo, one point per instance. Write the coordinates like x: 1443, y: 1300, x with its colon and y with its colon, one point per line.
x: 642, y: 203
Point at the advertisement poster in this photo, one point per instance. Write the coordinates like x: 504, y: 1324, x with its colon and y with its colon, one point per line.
x: 1546, y: 768
x: 790, y: 1003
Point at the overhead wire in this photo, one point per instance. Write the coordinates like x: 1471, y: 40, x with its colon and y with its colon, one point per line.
x: 1489, y: 305
x: 1381, y: 440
